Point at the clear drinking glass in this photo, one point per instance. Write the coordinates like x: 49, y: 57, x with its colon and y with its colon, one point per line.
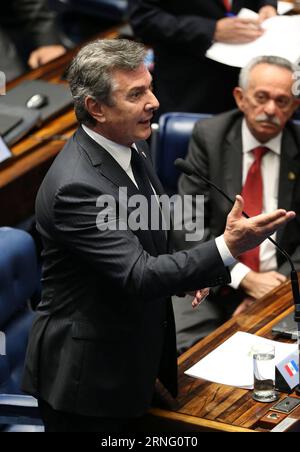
x: 264, y: 373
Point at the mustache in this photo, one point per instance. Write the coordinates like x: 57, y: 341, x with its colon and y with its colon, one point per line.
x: 270, y: 119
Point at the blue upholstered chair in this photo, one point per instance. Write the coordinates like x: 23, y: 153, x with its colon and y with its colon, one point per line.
x: 115, y: 10
x: 81, y: 20
x: 171, y: 142
x: 19, y: 281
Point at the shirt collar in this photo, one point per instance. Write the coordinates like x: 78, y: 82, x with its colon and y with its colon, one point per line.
x: 250, y: 142
x: 122, y: 154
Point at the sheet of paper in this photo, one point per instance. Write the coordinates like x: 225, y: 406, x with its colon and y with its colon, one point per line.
x: 284, y: 7
x: 4, y: 151
x: 231, y: 363
x: 281, y: 38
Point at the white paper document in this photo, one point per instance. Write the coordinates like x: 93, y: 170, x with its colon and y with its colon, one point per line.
x: 4, y: 151
x: 281, y: 38
x: 232, y: 364
x: 284, y: 7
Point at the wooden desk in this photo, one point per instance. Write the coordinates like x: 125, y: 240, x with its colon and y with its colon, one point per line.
x: 205, y: 406
x: 21, y: 176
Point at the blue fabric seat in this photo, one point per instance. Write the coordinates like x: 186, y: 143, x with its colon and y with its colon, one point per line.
x: 172, y: 142
x: 19, y: 281
x: 115, y: 10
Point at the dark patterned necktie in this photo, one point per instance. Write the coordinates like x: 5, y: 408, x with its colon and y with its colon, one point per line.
x: 141, y: 177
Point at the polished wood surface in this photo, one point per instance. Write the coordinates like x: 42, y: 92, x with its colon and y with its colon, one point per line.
x: 21, y: 175
x: 202, y: 405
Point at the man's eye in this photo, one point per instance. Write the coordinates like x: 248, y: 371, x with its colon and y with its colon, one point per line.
x: 260, y: 97
x: 135, y: 94
x: 282, y: 102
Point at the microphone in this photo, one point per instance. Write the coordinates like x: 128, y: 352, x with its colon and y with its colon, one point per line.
x: 187, y: 169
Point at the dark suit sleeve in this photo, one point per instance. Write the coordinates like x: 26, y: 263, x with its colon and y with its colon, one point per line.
x: 156, y: 26
x: 267, y: 3
x: 293, y: 235
x: 285, y: 268
x: 118, y: 254
x: 37, y: 21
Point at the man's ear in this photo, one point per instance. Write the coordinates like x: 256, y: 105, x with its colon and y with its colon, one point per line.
x: 94, y: 108
x: 239, y: 97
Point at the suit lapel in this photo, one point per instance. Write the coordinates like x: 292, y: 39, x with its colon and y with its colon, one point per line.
x: 233, y: 160
x: 111, y: 170
x: 289, y: 173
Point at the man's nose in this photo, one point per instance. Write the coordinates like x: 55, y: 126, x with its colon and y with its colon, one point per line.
x: 270, y: 107
x: 152, y: 102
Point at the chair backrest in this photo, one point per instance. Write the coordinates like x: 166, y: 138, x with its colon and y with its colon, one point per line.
x: 115, y: 10
x: 171, y: 142
x: 19, y: 280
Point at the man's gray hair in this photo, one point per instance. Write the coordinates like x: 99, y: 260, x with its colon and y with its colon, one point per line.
x: 91, y: 72
x: 273, y: 60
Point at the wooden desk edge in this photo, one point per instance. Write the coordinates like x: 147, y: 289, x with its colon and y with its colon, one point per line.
x: 199, y: 423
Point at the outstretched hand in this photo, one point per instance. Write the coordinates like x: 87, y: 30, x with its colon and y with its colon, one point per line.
x: 242, y: 234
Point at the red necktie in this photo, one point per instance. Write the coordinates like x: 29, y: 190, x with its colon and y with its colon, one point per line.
x: 253, y: 197
x: 227, y: 5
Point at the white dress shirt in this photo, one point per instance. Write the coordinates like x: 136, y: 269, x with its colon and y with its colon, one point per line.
x: 122, y: 155
x: 270, y: 173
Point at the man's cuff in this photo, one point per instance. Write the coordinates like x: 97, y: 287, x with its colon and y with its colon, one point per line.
x: 238, y: 273
x: 225, y: 254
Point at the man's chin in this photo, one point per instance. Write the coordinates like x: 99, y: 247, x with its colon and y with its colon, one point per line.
x: 145, y: 134
x: 268, y: 131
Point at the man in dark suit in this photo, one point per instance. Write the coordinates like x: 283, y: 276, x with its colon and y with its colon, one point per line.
x: 221, y: 149
x: 180, y: 34
x: 27, y: 32
x: 104, y: 330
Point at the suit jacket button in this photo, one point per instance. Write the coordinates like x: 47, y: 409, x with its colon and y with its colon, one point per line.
x: 165, y: 324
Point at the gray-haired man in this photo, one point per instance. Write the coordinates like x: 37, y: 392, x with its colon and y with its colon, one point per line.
x: 104, y: 330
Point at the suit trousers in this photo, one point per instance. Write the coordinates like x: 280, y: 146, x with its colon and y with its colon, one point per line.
x: 59, y: 421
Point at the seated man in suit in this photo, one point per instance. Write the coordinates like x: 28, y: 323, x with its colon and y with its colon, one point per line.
x: 28, y: 36
x: 254, y: 151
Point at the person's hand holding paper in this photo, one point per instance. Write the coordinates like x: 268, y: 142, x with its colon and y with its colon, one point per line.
x: 280, y: 37
x: 266, y: 12
x: 236, y: 30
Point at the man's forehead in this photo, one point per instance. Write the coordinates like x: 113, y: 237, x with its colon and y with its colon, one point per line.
x: 139, y: 77
x: 270, y: 76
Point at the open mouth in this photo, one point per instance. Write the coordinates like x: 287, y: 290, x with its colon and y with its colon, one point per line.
x: 146, y: 122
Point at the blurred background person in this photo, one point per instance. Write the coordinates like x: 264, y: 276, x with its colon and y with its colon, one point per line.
x: 180, y: 34
x: 29, y: 36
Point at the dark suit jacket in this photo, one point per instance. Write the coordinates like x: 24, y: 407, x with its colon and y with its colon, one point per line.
x: 24, y: 26
x: 216, y: 152
x: 180, y: 33
x: 104, y: 329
